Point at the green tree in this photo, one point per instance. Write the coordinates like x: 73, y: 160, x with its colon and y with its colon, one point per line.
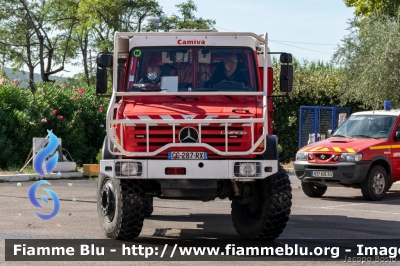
x: 186, y: 20
x: 370, y: 59
x: 17, y: 38
x: 37, y: 33
x: 366, y: 8
x: 103, y: 17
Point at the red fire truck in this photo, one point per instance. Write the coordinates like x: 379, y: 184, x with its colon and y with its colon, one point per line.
x: 190, y: 118
x: 364, y: 152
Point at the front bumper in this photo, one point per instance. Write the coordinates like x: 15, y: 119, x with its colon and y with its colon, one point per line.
x: 194, y: 169
x: 345, y: 173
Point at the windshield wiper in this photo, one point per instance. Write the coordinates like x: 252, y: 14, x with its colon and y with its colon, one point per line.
x: 363, y: 136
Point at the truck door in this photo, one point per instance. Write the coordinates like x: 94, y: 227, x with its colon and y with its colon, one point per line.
x: 395, y: 160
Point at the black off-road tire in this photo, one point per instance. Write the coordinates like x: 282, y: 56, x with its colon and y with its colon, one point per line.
x: 120, y: 206
x: 267, y: 215
x: 313, y: 190
x: 375, y: 184
x: 148, y: 205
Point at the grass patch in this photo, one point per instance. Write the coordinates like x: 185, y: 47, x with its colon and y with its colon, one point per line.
x: 27, y: 170
x: 15, y: 170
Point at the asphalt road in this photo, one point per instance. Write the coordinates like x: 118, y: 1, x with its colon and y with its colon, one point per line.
x: 341, y: 214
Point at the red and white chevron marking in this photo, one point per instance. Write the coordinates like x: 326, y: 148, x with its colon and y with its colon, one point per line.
x: 166, y: 118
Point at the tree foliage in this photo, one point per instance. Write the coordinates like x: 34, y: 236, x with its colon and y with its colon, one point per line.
x: 38, y: 33
x: 47, y: 34
x: 186, y: 20
x: 366, y: 8
x: 74, y: 114
x: 103, y: 17
x: 370, y: 59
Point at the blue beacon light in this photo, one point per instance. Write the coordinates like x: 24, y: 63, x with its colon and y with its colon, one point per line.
x: 386, y: 105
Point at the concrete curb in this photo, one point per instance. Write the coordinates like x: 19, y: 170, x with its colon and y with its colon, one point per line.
x: 34, y: 177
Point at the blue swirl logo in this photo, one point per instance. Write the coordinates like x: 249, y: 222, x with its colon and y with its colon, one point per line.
x: 43, y: 156
x: 34, y: 201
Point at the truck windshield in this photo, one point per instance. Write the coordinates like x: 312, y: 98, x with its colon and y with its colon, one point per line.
x: 173, y: 69
x: 366, y: 126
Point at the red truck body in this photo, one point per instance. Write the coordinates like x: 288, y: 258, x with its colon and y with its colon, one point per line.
x: 181, y: 125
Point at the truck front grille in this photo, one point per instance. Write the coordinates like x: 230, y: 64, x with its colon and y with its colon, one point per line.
x: 162, y: 135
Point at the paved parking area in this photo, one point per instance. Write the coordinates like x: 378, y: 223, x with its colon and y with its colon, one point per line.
x: 341, y: 214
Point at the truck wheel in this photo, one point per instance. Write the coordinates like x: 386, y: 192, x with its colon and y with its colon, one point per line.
x: 267, y: 214
x: 313, y: 190
x: 148, y: 205
x: 375, y: 185
x: 120, y: 207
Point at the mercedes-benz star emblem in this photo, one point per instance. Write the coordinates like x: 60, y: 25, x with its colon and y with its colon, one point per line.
x: 323, y: 157
x: 188, y: 135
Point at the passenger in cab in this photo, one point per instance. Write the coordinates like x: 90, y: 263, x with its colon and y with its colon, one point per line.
x: 229, y: 69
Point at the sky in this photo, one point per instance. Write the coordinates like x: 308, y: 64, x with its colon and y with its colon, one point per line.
x: 308, y: 29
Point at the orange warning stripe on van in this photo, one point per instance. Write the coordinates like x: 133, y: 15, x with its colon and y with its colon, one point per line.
x: 383, y: 147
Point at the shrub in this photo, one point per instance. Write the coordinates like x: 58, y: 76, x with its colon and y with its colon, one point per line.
x: 75, y: 115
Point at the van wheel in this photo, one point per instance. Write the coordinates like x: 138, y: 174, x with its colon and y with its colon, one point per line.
x: 376, y: 184
x: 313, y: 190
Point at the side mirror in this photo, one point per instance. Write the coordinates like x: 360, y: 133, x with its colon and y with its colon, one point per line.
x: 329, y: 133
x: 104, y: 60
x: 397, y: 137
x: 101, y: 80
x: 286, y: 58
x: 286, y: 78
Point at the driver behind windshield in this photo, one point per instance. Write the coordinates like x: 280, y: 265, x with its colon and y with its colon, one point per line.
x: 229, y: 69
x: 373, y: 128
x: 153, y: 74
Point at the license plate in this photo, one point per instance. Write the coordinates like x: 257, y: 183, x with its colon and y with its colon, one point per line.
x: 187, y: 155
x: 322, y: 173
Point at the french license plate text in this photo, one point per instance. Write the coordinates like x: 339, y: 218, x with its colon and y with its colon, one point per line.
x: 185, y: 155
x: 322, y: 173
